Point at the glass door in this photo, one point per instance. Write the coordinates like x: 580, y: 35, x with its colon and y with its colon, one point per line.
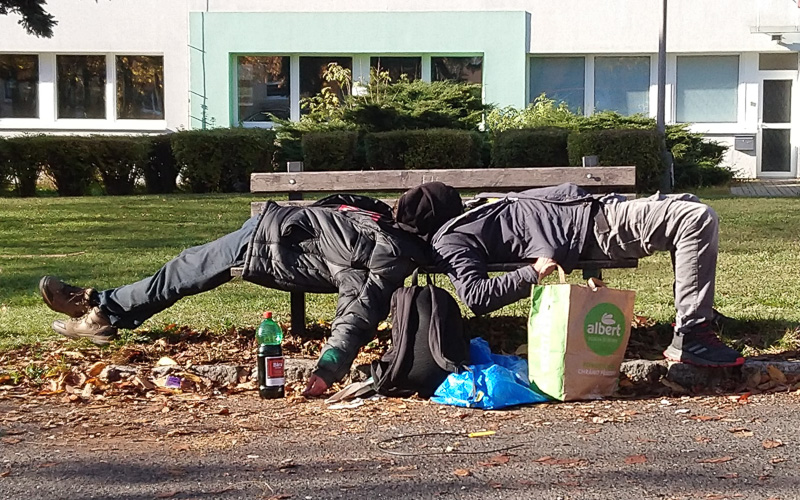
x: 777, y: 158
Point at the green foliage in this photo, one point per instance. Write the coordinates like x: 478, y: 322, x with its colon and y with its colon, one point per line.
x: 22, y: 163
x: 531, y: 147
x: 34, y: 18
x: 542, y: 112
x: 417, y: 149
x: 330, y: 151
x: 119, y: 159
x: 222, y: 159
x: 66, y: 161
x: 621, y: 147
x: 160, y: 169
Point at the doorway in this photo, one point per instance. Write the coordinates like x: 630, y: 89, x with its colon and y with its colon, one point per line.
x: 777, y: 158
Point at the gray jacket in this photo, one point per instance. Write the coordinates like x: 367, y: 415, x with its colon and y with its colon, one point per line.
x: 518, y: 227
x: 325, y: 250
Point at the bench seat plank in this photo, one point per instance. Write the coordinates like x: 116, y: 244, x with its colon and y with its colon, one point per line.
x: 486, y: 179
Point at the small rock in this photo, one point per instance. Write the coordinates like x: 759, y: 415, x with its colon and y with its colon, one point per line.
x: 113, y: 373
x: 641, y: 371
x: 225, y: 375
x: 163, y: 371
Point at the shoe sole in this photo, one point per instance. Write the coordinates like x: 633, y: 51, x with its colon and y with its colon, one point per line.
x: 688, y: 358
x: 95, y: 339
x: 49, y: 300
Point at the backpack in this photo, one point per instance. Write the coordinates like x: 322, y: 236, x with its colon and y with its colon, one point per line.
x: 428, y: 342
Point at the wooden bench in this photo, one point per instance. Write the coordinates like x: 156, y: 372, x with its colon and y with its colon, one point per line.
x: 297, y: 183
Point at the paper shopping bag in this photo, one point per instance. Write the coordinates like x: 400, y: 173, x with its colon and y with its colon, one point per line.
x: 577, y: 336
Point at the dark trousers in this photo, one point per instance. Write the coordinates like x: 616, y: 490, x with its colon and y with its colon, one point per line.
x: 195, y: 270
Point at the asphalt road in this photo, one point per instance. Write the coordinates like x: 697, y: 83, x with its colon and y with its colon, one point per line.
x: 238, y: 446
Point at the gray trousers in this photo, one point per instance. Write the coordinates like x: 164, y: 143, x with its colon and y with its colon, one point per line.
x: 681, y: 225
x: 195, y: 270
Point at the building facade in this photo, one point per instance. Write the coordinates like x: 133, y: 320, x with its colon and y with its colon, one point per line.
x: 153, y: 66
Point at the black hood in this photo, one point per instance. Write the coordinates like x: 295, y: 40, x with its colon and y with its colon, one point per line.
x: 424, y: 209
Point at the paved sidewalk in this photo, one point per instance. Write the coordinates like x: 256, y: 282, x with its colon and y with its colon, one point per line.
x: 766, y: 188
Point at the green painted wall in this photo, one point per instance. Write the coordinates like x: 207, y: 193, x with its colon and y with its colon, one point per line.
x: 500, y: 36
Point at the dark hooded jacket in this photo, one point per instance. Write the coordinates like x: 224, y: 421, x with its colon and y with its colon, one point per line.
x: 361, y: 254
x: 517, y: 227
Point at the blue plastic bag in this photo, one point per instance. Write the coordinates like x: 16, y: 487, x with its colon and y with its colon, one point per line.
x: 494, y: 381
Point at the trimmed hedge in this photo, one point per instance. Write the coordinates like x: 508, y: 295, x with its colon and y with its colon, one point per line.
x: 65, y: 160
x: 621, y: 147
x: 119, y: 160
x: 532, y: 147
x: 419, y: 149
x: 222, y: 159
x: 160, y: 169
x: 23, y: 163
x: 330, y: 151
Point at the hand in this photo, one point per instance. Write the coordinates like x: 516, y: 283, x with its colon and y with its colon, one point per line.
x: 315, y: 387
x: 544, y: 266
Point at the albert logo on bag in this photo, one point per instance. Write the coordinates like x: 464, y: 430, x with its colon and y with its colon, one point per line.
x: 604, y: 329
x: 577, y: 336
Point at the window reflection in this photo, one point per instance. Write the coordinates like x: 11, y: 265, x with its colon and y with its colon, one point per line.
x: 411, y: 67
x: 19, y: 83
x: 263, y: 88
x: 559, y: 78
x: 81, y: 86
x: 140, y: 87
x: 458, y: 69
x: 311, y: 79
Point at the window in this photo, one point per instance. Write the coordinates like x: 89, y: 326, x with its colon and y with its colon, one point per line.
x: 457, y: 69
x: 19, y: 83
x: 263, y: 89
x: 622, y: 84
x: 81, y: 86
x: 707, y: 89
x: 312, y: 80
x: 411, y: 67
x: 140, y: 87
x: 559, y: 78
x: 778, y: 61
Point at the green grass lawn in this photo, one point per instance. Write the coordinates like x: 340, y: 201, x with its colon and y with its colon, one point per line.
x: 109, y: 241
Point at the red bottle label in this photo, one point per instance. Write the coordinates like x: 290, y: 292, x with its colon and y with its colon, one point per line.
x: 274, y: 370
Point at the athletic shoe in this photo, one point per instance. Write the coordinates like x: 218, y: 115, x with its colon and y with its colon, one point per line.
x: 95, y: 326
x: 67, y: 299
x: 702, y: 347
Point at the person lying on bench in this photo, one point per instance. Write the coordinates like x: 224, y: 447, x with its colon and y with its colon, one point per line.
x: 564, y: 224
x: 363, y: 254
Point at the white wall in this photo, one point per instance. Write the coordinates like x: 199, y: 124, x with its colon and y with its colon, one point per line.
x: 123, y: 27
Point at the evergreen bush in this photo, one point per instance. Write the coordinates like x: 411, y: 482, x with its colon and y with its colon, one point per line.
x: 330, y: 151
x: 537, y: 147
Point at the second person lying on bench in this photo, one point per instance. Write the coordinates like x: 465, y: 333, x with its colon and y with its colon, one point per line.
x: 564, y: 224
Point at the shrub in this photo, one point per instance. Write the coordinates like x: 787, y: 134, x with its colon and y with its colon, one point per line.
x: 542, y: 147
x: 330, y: 151
x: 22, y: 163
x: 65, y: 160
x: 160, y: 169
x: 120, y: 160
x: 222, y: 159
x: 621, y: 147
x: 417, y: 149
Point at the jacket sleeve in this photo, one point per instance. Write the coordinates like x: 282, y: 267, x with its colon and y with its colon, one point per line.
x: 466, y: 268
x: 364, y: 300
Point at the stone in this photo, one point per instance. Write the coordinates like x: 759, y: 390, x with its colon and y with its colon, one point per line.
x: 224, y: 375
x: 163, y: 371
x: 690, y: 376
x: 113, y: 373
x: 642, y: 371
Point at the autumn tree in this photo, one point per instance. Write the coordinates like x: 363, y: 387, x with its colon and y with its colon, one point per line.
x: 35, y: 19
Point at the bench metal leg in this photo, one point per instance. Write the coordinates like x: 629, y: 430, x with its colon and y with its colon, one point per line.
x: 298, y: 312
x: 592, y: 273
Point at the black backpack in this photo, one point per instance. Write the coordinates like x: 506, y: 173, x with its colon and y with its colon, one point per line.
x: 428, y: 342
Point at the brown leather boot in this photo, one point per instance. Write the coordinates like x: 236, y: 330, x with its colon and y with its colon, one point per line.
x: 67, y: 299
x: 95, y: 326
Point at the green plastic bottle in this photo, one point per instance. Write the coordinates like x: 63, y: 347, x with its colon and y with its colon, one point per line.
x: 270, y: 358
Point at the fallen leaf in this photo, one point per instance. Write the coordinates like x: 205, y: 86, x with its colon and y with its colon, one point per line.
x: 10, y: 440
x: 96, y: 369
x: 702, y: 439
x: 635, y: 459
x: 740, y: 432
x: 166, y: 361
x: 167, y: 494
x: 717, y: 460
x: 704, y: 418
x: 732, y: 475
x: 776, y: 374
x: 279, y: 496
x: 5, y: 473
x: 501, y: 459
x: 776, y: 460
x: 462, y: 472
x: 769, y: 444
x: 224, y: 411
